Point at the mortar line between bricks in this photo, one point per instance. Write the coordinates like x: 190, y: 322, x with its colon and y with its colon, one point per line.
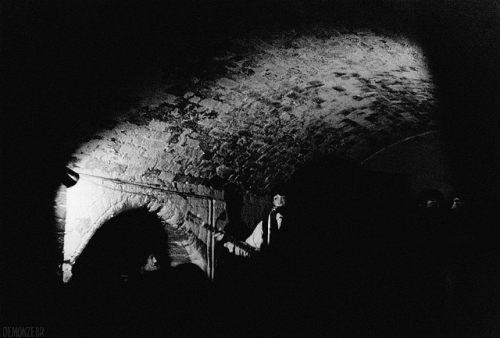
x: 396, y: 143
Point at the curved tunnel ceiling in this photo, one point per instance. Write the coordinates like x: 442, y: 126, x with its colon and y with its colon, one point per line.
x: 59, y: 57
x: 254, y: 112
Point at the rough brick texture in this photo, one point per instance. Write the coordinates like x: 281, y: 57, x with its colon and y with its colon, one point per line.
x: 250, y: 117
x: 275, y: 103
x: 95, y: 200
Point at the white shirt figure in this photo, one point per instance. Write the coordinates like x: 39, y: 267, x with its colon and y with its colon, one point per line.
x: 256, y: 238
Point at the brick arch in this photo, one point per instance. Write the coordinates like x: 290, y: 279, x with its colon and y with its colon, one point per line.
x: 95, y: 200
x: 122, y: 244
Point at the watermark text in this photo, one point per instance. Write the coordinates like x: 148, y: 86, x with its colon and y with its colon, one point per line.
x: 23, y: 331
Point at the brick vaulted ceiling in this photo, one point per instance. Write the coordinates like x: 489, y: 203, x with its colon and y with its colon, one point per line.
x: 217, y: 89
x: 263, y: 105
x: 245, y: 93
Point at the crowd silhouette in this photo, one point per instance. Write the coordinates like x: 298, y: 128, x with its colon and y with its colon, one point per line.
x: 358, y: 256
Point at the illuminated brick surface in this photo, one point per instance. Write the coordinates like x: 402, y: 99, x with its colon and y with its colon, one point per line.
x: 259, y: 109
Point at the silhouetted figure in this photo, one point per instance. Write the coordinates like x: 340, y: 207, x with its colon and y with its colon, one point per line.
x: 229, y: 266
x: 429, y: 220
x: 246, y: 285
x: 465, y: 249
x: 234, y: 202
x: 462, y: 223
x: 429, y: 261
x: 123, y: 284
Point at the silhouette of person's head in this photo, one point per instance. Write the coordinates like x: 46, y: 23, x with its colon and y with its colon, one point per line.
x: 151, y: 263
x: 430, y: 199
x: 132, y: 241
x: 460, y: 201
x: 234, y: 204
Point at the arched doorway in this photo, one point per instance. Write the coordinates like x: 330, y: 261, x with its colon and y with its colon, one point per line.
x: 123, y: 282
x: 125, y: 247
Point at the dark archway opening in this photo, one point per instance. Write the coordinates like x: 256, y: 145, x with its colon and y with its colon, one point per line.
x: 121, y: 249
x: 123, y: 283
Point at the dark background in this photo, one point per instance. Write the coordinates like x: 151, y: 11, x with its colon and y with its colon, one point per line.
x: 62, y: 61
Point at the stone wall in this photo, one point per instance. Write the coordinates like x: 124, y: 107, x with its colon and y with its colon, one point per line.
x: 182, y: 209
x: 248, y: 116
